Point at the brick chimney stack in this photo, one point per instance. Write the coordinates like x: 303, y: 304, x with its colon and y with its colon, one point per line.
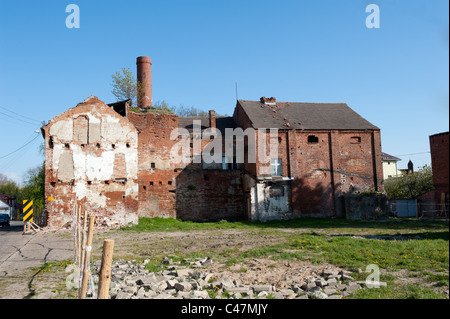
x: 212, y: 119
x: 268, y: 101
x: 144, y: 76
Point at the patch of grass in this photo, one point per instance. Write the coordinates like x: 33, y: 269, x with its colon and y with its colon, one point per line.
x: 393, y: 291
x: 353, y: 253
x: 48, y: 267
x: 158, y: 224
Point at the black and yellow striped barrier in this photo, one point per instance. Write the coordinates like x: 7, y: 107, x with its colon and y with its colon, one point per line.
x: 27, y: 210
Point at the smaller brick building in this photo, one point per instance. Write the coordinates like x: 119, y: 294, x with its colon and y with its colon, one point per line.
x: 439, y: 148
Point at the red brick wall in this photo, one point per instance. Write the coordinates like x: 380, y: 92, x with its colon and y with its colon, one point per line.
x: 172, y: 190
x: 340, y: 162
x: 210, y: 195
x: 156, y: 171
x: 439, y: 148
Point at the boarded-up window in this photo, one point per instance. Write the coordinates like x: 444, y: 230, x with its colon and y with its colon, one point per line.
x: 120, y: 166
x: 65, y: 168
x: 94, y: 134
x: 80, y: 129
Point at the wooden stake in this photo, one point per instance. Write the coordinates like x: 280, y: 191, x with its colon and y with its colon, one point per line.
x: 87, y: 258
x: 83, y: 238
x: 105, y: 270
x: 78, y: 235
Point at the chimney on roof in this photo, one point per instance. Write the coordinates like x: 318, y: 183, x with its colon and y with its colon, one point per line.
x: 268, y: 101
x: 212, y: 119
x: 144, y: 77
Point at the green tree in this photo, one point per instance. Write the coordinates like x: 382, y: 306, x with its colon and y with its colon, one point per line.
x: 125, y: 86
x: 34, y: 188
x: 410, y: 185
x: 9, y: 187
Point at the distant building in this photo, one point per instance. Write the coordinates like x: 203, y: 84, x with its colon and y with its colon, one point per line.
x: 390, y: 165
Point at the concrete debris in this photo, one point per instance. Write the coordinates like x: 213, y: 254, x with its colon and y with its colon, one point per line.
x: 131, y: 280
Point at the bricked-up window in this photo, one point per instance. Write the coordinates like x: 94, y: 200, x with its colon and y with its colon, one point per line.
x: 312, y: 139
x: 355, y: 140
x: 275, y: 167
x: 80, y: 129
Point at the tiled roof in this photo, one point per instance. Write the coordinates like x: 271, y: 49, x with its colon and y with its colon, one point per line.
x: 308, y: 116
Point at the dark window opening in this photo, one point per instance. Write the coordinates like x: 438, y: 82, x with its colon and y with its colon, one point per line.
x: 152, y: 165
x: 67, y: 145
x: 312, y: 139
x: 169, y: 182
x: 98, y: 145
x: 160, y: 183
x: 53, y: 184
x: 121, y: 180
x: 128, y: 145
x: 151, y: 183
x: 113, y: 146
x: 144, y: 187
x: 89, y: 182
x: 50, y: 142
x: 355, y: 140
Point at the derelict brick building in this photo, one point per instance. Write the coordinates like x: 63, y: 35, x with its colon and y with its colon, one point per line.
x: 118, y: 164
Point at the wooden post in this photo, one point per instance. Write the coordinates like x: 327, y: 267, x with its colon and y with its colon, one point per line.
x: 105, y: 270
x: 79, y: 236
x: 83, y: 238
x: 87, y: 258
x: 78, y: 243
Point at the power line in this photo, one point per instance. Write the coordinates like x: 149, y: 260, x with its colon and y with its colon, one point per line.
x: 17, y: 119
x: 25, y: 117
x: 20, y: 147
x: 413, y: 154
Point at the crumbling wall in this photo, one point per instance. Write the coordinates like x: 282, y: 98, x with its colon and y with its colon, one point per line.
x: 366, y: 206
x: 91, y: 160
x: 210, y: 195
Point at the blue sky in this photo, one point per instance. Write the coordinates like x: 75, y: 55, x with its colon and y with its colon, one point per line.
x: 395, y: 76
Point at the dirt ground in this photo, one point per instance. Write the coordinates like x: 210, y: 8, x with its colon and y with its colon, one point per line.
x: 224, y: 245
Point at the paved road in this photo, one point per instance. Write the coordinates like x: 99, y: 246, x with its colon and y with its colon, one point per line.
x: 20, y: 251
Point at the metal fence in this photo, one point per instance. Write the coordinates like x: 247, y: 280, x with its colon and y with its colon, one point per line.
x: 418, y: 208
